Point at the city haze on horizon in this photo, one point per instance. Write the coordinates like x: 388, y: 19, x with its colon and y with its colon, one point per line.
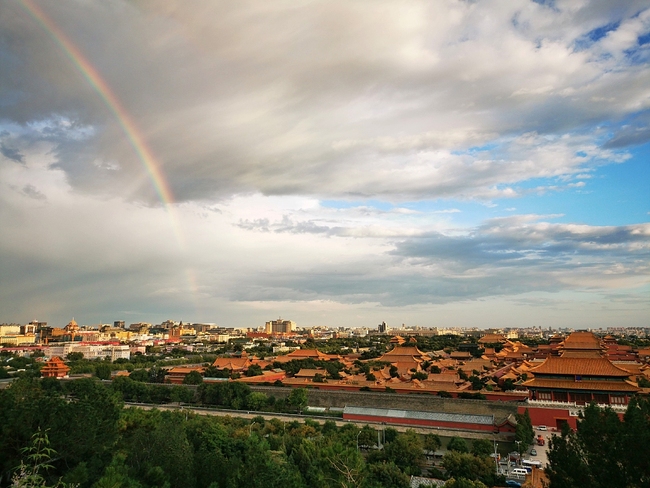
x: 334, y: 163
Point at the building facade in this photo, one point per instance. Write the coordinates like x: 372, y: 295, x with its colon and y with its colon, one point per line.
x: 280, y: 326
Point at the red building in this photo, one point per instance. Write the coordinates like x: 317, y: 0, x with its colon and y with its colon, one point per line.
x: 581, y: 374
x: 55, y: 368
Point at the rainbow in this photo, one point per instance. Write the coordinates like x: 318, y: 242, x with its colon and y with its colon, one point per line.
x: 133, y: 134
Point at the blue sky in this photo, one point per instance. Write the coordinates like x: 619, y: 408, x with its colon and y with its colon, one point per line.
x: 337, y: 163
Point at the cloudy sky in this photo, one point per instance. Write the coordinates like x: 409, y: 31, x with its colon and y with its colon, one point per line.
x: 444, y: 163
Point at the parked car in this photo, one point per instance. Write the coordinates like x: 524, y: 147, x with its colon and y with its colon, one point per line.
x: 541, y: 427
x: 533, y: 452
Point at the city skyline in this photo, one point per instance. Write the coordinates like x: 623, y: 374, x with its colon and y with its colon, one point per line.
x: 460, y: 164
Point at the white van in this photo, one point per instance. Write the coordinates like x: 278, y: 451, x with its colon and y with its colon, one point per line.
x: 520, y: 471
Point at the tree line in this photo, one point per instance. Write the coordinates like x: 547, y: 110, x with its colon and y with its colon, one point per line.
x: 78, y: 433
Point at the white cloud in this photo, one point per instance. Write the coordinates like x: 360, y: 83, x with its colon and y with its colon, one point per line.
x: 259, y: 115
x: 382, y: 100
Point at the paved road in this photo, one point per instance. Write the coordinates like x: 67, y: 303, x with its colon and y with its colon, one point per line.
x: 541, y: 450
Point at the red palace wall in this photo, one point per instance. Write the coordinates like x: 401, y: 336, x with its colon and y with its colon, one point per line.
x: 422, y: 422
x: 552, y: 417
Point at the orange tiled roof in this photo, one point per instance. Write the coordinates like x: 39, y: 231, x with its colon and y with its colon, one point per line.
x: 579, y: 366
x: 310, y: 373
x: 308, y: 353
x: 404, y: 351
x: 55, y: 366
x: 460, y: 355
x: 633, y: 368
x: 492, y: 339
x: 233, y: 364
x: 582, y: 340
x: 581, y: 385
x: 185, y: 369
x: 443, y: 378
x: 582, y: 353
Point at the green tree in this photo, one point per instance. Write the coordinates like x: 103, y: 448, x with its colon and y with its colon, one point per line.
x: 141, y: 375
x: 103, y: 371
x: 38, y: 456
x: 298, y: 398
x: 254, y: 370
x: 256, y: 401
x: 458, y: 444
x: 603, y: 451
x: 477, y: 384
x: 524, y: 432
x: 406, y: 451
x: 464, y: 465
x: 464, y: 483
x: 193, y: 378
x: 74, y: 356
x: 367, y: 436
x: 386, y: 475
x: 432, y: 442
x: 481, y: 447
x: 566, y: 465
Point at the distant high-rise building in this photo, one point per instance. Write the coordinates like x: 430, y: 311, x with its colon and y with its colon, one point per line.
x: 280, y: 326
x: 118, y: 324
x: 382, y: 328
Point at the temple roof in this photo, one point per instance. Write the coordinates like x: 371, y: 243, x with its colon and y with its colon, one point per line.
x: 310, y: 373
x: 579, y: 366
x: 492, y: 339
x: 582, y: 340
x: 309, y: 353
x: 581, y: 385
x: 412, y: 351
x: 233, y: 364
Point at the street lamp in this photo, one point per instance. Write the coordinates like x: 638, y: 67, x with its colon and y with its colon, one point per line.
x: 250, y: 429
x: 519, y: 450
x: 358, y: 440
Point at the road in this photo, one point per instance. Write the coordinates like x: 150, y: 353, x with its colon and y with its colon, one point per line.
x: 541, y: 450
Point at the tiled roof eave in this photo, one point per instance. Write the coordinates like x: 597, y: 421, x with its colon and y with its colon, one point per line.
x: 593, y: 386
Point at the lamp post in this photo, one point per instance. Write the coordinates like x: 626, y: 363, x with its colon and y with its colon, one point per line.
x: 358, y: 440
x: 496, y: 459
x: 519, y: 451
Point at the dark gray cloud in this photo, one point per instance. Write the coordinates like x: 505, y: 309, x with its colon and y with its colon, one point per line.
x: 32, y: 192
x: 503, y: 257
x: 515, y: 242
x: 11, y: 153
x: 635, y: 132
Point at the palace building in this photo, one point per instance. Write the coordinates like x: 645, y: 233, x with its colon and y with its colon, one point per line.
x: 581, y: 374
x: 55, y: 368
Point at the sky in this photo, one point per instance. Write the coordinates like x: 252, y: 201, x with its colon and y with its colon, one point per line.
x: 342, y: 163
